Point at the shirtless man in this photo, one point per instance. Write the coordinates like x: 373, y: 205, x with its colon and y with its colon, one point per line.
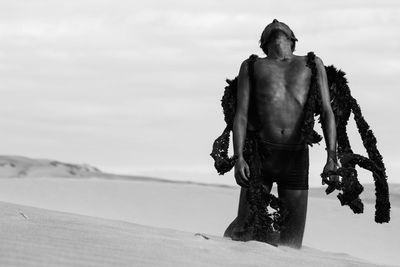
x: 282, y: 82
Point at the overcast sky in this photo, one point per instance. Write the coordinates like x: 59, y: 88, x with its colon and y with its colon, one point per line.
x: 135, y: 86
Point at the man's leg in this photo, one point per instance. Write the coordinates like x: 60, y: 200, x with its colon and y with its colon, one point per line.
x: 296, y: 202
x: 243, y: 210
x: 236, y: 229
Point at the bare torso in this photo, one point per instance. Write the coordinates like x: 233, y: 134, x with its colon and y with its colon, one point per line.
x: 281, y: 89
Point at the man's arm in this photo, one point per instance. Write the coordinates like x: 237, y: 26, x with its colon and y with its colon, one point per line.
x: 240, y: 124
x: 327, y: 117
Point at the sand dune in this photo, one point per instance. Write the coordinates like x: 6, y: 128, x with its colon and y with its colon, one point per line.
x: 12, y: 166
x: 190, y: 207
x: 19, y: 166
x: 206, y: 209
x: 38, y: 237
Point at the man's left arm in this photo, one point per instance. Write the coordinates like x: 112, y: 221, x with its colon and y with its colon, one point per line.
x: 327, y: 118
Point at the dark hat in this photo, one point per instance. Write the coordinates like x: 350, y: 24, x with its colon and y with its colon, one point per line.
x: 276, y: 25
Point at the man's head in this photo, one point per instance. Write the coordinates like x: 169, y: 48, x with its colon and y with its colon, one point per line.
x: 272, y: 31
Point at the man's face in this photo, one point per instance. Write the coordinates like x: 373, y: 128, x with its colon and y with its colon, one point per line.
x: 277, y: 36
x: 277, y: 32
x: 271, y: 31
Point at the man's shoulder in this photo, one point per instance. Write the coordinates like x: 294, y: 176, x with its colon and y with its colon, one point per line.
x: 309, y: 54
x: 245, y: 63
x: 312, y: 55
x: 252, y: 57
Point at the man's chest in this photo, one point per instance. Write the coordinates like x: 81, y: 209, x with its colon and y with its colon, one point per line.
x: 282, y: 79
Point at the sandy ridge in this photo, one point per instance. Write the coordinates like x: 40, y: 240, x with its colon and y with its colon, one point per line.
x: 42, y: 237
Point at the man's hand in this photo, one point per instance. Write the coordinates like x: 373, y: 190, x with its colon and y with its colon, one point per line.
x: 333, y: 181
x: 242, y: 172
x: 331, y: 165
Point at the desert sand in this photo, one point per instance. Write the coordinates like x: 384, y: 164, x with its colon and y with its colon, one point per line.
x: 38, y: 237
x: 82, y: 221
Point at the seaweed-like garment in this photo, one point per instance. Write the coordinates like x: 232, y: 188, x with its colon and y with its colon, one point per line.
x: 343, y: 104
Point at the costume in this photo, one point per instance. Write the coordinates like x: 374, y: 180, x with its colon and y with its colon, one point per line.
x: 342, y: 104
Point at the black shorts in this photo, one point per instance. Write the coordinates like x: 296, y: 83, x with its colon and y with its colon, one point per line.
x: 285, y: 164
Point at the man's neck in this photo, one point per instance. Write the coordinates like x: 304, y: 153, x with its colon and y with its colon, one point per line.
x: 280, y: 52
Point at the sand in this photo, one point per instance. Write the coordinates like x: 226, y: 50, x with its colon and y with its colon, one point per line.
x: 184, y: 207
x: 61, y: 214
x: 38, y: 237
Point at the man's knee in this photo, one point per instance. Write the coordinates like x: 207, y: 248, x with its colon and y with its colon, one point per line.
x: 296, y: 203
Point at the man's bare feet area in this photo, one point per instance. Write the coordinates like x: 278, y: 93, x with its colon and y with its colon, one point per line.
x: 237, y: 232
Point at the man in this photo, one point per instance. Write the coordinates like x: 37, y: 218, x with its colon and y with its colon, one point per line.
x: 281, y: 84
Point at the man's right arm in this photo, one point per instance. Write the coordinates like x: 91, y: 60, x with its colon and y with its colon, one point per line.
x: 242, y: 171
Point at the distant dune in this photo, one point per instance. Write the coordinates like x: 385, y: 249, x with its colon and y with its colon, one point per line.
x: 24, y: 167
x: 18, y: 166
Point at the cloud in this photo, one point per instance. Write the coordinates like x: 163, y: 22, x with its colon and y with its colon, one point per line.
x: 143, y: 79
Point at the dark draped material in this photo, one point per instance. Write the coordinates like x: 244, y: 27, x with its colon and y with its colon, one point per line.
x: 267, y: 213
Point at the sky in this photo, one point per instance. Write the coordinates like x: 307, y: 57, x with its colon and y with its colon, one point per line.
x: 134, y: 87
